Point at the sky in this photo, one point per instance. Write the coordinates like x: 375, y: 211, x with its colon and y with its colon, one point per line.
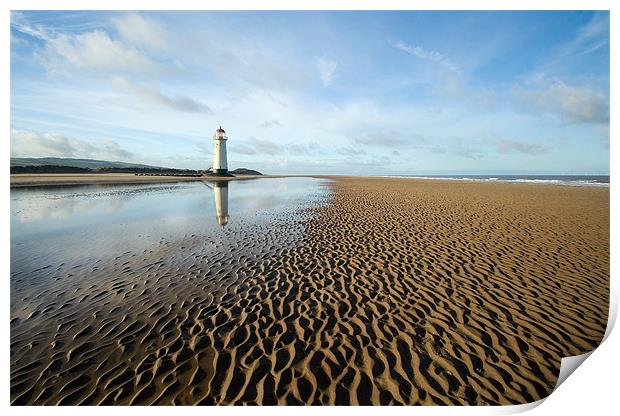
x: 334, y: 92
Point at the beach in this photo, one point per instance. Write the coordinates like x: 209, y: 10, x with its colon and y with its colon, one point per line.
x: 385, y: 291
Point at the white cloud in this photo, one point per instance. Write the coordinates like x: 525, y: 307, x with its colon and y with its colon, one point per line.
x: 427, y: 55
x: 140, y: 31
x: 569, y: 103
x: 26, y: 143
x: 327, y: 69
x: 95, y: 51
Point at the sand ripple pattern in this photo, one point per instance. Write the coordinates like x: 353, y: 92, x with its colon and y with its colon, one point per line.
x: 395, y: 292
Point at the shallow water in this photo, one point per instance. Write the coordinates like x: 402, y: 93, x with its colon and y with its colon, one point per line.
x: 72, y: 224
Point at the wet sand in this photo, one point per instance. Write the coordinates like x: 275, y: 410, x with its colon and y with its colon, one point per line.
x: 34, y: 179
x: 395, y: 291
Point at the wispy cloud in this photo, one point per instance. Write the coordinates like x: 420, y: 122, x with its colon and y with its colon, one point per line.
x: 21, y: 24
x: 241, y: 149
x: 351, y: 151
x: 516, y: 146
x: 465, y: 148
x: 590, y: 37
x: 427, y: 55
x: 270, y: 123
x: 327, y: 70
x: 387, y: 139
x: 140, y: 31
x: 303, y: 149
x: 151, y: 95
x: 256, y: 146
x: 266, y: 146
x: 454, y: 88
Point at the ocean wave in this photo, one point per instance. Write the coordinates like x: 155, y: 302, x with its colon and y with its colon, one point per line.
x: 516, y: 180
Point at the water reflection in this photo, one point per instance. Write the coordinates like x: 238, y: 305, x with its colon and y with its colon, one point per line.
x: 66, y: 202
x: 66, y: 224
x: 220, y: 194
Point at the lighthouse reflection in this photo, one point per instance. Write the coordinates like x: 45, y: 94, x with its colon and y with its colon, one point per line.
x: 257, y: 199
x: 220, y: 193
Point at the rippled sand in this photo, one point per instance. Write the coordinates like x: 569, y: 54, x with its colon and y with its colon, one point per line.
x: 397, y: 291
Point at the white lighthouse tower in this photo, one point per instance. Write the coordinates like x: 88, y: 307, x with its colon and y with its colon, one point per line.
x: 220, y: 164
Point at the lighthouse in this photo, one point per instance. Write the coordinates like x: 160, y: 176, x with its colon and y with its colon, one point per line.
x: 220, y: 165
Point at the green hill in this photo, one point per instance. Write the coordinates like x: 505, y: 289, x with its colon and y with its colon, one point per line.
x: 245, y: 171
x: 75, y: 163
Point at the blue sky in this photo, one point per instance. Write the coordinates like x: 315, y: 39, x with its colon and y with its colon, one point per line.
x: 316, y: 92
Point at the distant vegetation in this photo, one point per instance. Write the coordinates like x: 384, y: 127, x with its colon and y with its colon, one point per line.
x: 73, y: 169
x: 49, y: 169
x: 68, y: 165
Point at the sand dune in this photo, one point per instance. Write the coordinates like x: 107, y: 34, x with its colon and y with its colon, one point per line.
x: 395, y: 291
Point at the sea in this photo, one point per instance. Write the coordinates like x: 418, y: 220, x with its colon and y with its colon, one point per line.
x: 567, y: 180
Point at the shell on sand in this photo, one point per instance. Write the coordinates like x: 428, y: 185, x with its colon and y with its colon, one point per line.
x: 395, y: 291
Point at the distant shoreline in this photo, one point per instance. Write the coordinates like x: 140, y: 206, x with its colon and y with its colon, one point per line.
x: 564, y: 180
x: 29, y: 179
x: 49, y: 179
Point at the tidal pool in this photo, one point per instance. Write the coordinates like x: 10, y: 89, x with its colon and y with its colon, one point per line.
x: 52, y: 224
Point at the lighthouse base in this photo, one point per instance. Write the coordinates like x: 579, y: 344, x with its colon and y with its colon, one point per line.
x: 220, y: 173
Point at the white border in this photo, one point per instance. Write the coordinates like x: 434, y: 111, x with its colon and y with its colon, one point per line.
x: 593, y: 387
